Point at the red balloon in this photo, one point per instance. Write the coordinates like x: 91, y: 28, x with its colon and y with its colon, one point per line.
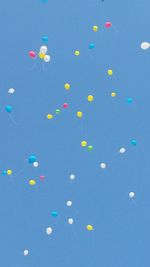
x: 65, y: 105
x: 32, y: 54
x: 108, y: 24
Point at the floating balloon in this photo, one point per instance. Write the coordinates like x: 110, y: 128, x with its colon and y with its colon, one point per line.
x: 110, y: 72
x: 90, y: 148
x: 95, y: 28
x: 79, y: 114
x: 41, y: 55
x: 77, y: 53
x: 47, y: 58
x: 58, y: 111
x: 49, y: 116
x: 4, y: 172
x: 65, y: 105
x: 129, y: 100
x: 145, y: 45
x: 103, y: 165
x: 89, y: 227
x: 122, y: 150
x: 32, y: 54
x: 83, y: 143
x: 49, y: 230
x: 69, y: 203
x: 72, y: 177
x: 35, y: 164
x: 43, y: 49
x: 11, y: 90
x: 45, y: 39
x: 32, y: 182
x: 9, y: 172
x: 42, y: 177
x: 8, y: 109
x: 91, y: 46
x: 70, y: 221
x: 67, y: 86
x: 134, y: 142
x: 113, y: 94
x: 131, y: 194
x: 32, y: 159
x: 90, y: 98
x: 54, y: 213
x: 26, y: 252
x: 108, y: 24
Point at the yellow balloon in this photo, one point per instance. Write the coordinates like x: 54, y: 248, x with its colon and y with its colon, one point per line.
x: 67, y: 86
x: 90, y: 98
x: 77, y: 53
x: 41, y: 55
x: 83, y: 143
x: 113, y: 94
x: 110, y: 72
x: 49, y: 116
x: 32, y: 182
x: 95, y: 28
x: 89, y: 227
x: 9, y: 172
x: 79, y: 114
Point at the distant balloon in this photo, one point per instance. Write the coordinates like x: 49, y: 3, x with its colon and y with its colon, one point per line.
x: 9, y: 172
x: 89, y: 227
x: 129, y: 100
x: 26, y: 252
x: 134, y: 142
x: 65, y: 105
x: 103, y: 165
x: 145, y: 45
x: 32, y: 54
x: 67, y: 86
x: 83, y: 143
x: 54, y: 213
x: 90, y: 98
x: 69, y: 203
x: 95, y: 28
x: 90, y: 148
x: 49, y: 116
x: 91, y: 46
x: 32, y: 159
x: 79, y: 114
x: 113, y: 94
x: 42, y: 177
x: 122, y: 150
x: 49, y: 230
x: 32, y: 182
x: 47, y: 58
x: 45, y: 39
x: 131, y: 194
x: 43, y: 49
x: 110, y: 72
x: 70, y: 221
x: 58, y: 111
x: 11, y: 90
x: 108, y: 24
x: 35, y: 164
x: 8, y: 109
x: 72, y: 177
x: 77, y: 53
x: 41, y: 55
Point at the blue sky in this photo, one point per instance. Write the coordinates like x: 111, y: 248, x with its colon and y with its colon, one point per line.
x: 100, y: 197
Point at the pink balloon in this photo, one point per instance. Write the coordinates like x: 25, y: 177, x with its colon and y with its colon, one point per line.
x: 65, y: 105
x: 32, y: 54
x: 42, y: 177
x: 108, y: 24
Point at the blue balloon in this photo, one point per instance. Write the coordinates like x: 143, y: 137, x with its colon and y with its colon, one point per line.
x: 54, y: 213
x: 129, y: 100
x: 91, y: 46
x: 8, y: 109
x: 32, y: 159
x: 4, y: 172
x: 134, y: 142
x: 45, y: 39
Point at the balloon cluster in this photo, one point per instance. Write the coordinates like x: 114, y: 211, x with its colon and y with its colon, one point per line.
x: 57, y: 111
x: 42, y: 54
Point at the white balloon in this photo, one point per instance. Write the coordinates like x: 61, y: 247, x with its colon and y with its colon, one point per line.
x: 11, y: 90
x: 131, y: 194
x: 49, y: 230
x: 72, y: 177
x: 69, y: 203
x: 122, y: 150
x: 145, y: 45
x: 103, y: 165
x: 35, y: 164
x: 47, y: 58
x: 26, y: 252
x: 70, y: 221
x: 43, y: 49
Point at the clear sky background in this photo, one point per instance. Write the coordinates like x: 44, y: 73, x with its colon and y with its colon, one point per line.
x: 121, y: 236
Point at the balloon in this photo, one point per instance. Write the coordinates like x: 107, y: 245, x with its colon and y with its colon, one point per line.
x: 83, y: 143
x: 42, y: 177
x: 32, y: 54
x: 89, y: 227
x: 49, y: 116
x: 103, y: 165
x: 122, y: 150
x: 43, y: 49
x: 91, y: 46
x: 72, y: 177
x: 11, y: 90
x: 134, y: 142
x: 47, y: 58
x: 90, y: 98
x: 108, y: 24
x: 32, y: 182
x: 145, y: 45
x: 45, y: 38
x: 54, y: 213
x: 35, y: 164
x: 90, y: 148
x: 77, y: 53
x: 79, y: 114
x: 95, y: 28
x: 110, y: 72
x: 113, y: 94
x: 58, y: 111
x: 9, y: 172
x: 67, y: 86
x: 4, y: 172
x: 49, y: 230
x: 32, y: 159
x: 129, y: 100
x: 70, y: 221
x: 65, y: 105
x: 8, y: 109
x: 26, y: 252
x: 131, y: 194
x: 41, y: 55
x: 69, y: 203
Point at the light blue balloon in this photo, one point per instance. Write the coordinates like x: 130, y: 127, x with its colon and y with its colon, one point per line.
x: 8, y: 109
x: 54, y: 213
x: 134, y: 142
x: 32, y: 159
x: 129, y: 100
x: 4, y: 172
x: 45, y: 39
x: 91, y: 46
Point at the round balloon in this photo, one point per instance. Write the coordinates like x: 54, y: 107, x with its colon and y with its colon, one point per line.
x: 32, y: 159
x: 49, y: 230
x: 8, y: 109
x: 47, y: 58
x: 43, y: 49
x: 11, y: 90
x: 26, y: 252
x: 32, y: 54
x: 145, y: 45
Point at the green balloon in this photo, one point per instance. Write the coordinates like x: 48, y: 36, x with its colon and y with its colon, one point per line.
x: 90, y: 148
x: 58, y: 111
